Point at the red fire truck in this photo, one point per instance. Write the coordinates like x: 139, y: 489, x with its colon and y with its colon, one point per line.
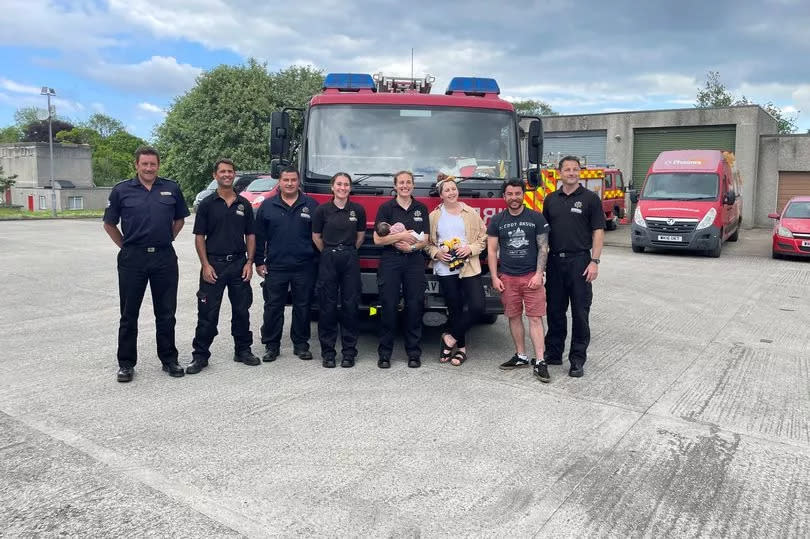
x: 372, y: 127
x: 607, y: 182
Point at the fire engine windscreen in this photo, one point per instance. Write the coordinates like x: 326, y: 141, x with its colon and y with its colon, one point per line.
x: 680, y: 186
x: 426, y: 140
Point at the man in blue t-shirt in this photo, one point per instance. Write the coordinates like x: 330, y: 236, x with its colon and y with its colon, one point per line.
x: 517, y: 248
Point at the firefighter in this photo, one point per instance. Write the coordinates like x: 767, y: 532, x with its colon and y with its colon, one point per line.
x: 402, y: 265
x: 338, y: 229
x: 223, y: 236
x: 152, y: 212
x: 577, y: 224
x: 287, y: 260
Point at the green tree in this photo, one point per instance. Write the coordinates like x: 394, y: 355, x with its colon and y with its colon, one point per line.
x: 715, y: 94
x: 227, y: 114
x: 114, y: 158
x: 112, y: 154
x: 6, y: 183
x: 103, y: 125
x: 79, y: 135
x: 38, y: 131
x: 531, y: 107
x: 12, y: 133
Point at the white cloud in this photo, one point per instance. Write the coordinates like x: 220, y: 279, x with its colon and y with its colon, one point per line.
x: 149, y: 107
x: 159, y: 74
x: 16, y: 87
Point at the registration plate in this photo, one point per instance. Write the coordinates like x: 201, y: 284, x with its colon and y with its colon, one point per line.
x: 805, y: 243
x: 432, y: 287
x: 670, y: 238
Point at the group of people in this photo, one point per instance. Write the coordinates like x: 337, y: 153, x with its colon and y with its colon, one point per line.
x: 309, y: 253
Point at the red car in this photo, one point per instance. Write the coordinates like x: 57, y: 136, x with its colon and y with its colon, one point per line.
x: 791, y: 231
x: 260, y: 189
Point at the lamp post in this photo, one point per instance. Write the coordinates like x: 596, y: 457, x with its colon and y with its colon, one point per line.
x: 49, y: 92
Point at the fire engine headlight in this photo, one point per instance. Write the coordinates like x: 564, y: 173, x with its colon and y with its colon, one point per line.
x: 708, y: 219
x: 639, y: 219
x: 784, y: 232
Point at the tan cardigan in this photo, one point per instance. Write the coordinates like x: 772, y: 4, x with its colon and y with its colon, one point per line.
x: 476, y: 238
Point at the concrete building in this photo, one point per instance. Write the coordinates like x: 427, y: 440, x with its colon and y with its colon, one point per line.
x: 72, y: 172
x: 772, y: 166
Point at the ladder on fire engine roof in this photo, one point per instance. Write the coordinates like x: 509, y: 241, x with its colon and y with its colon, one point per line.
x: 393, y: 85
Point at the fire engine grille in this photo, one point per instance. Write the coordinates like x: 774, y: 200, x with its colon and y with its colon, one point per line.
x: 677, y: 227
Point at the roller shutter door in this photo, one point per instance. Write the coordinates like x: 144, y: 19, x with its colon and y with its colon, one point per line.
x: 587, y: 145
x: 648, y: 143
x: 791, y: 184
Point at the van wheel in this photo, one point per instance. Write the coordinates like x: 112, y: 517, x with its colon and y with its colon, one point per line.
x: 611, y: 224
x: 488, y: 319
x: 637, y: 248
x: 715, y: 252
x: 736, y: 235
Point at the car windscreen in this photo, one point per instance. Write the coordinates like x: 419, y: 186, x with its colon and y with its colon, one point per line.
x: 261, y: 184
x: 797, y: 210
x: 211, y: 186
x: 681, y: 186
x: 377, y: 141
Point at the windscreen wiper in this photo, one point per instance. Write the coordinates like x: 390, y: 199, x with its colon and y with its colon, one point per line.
x: 360, y: 177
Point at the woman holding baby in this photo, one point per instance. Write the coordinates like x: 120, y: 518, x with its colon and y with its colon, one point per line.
x: 402, y: 266
x: 457, y: 238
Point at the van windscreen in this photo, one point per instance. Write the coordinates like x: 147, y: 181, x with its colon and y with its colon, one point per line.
x: 681, y: 186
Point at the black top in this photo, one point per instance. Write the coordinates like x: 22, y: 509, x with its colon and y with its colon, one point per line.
x: 146, y: 215
x: 414, y: 218
x: 224, y: 227
x: 339, y: 226
x: 573, y: 218
x: 517, y: 240
x: 284, y: 233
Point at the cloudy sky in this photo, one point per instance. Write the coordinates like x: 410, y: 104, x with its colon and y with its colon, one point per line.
x: 130, y: 59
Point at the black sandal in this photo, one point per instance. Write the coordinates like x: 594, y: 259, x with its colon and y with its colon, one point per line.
x: 447, y: 351
x: 459, y: 356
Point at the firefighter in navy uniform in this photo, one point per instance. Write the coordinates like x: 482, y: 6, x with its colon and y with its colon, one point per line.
x: 287, y: 260
x: 577, y: 232
x: 225, y: 243
x: 338, y: 229
x: 152, y: 212
x: 402, y: 265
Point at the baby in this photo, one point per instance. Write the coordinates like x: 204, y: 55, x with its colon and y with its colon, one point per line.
x: 383, y: 229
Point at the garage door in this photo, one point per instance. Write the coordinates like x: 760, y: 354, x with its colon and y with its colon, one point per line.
x: 791, y: 184
x: 648, y: 143
x: 587, y: 145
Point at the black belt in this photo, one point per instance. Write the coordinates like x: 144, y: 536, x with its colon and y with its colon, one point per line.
x: 340, y: 247
x: 147, y: 249
x: 226, y: 258
x: 570, y: 254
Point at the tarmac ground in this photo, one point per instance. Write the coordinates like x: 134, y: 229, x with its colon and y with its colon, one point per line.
x: 693, y: 418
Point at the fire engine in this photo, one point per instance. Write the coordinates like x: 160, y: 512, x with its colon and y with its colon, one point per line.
x: 607, y: 182
x: 373, y: 126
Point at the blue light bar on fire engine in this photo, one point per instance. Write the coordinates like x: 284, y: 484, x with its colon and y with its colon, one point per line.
x: 473, y: 85
x: 348, y: 81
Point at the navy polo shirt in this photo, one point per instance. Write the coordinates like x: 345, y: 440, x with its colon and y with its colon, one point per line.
x: 223, y: 226
x: 146, y: 215
x: 414, y: 218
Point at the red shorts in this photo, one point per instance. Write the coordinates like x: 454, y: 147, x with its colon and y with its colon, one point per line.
x: 517, y: 293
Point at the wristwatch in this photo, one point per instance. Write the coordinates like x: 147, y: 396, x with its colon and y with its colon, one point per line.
x: 595, y: 260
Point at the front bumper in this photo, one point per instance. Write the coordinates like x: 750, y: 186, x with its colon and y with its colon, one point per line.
x: 693, y: 240
x: 791, y: 246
